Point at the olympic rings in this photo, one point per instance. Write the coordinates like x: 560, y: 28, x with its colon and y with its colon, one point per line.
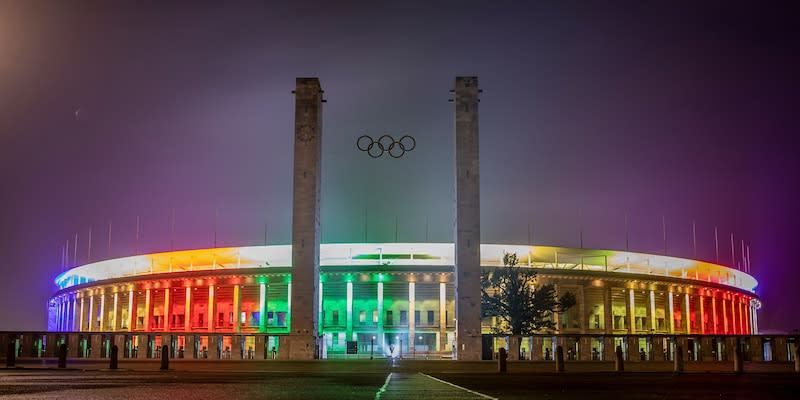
x: 386, y: 143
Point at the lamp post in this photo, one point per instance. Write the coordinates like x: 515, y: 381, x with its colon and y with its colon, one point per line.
x: 371, y: 347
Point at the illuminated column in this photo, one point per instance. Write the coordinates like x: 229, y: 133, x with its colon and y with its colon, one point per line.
x: 301, y: 342
x: 411, y: 313
x: 147, y: 311
x: 115, y: 313
x: 671, y: 316
x: 725, y: 326
x: 187, y: 313
x: 131, y: 310
x: 167, y: 314
x: 349, y: 321
x: 467, y: 228
x: 319, y: 307
x: 237, y: 308
x: 608, y: 312
x: 652, y: 310
x: 754, y: 310
x: 262, y: 309
x: 211, y: 303
x: 90, y: 314
x: 631, y: 312
x: 81, y: 325
x: 442, y: 316
x: 688, y: 309
x: 740, y: 311
x: 702, y: 313
x: 714, y: 312
x: 380, y: 314
x: 746, y: 310
x: 102, y: 311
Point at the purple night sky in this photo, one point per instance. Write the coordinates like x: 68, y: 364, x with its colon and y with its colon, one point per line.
x: 109, y: 110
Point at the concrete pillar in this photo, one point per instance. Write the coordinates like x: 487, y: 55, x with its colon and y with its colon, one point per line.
x: 442, y: 316
x: 702, y: 312
x: 141, y: 352
x: 131, y: 311
x: 411, y: 321
x: 102, y: 311
x: 608, y: 313
x: 633, y: 348
x: 740, y: 310
x: 514, y: 344
x: 349, y: 312
x: 236, y: 347
x: 51, y: 346
x: 76, y: 324
x: 756, y: 349
x: 657, y: 351
x: 714, y: 328
x: 261, y: 342
x: 706, y: 349
x: 211, y: 306
x: 651, y: 310
x: 96, y: 341
x: 467, y: 224
x: 81, y: 324
x: 237, y: 309
x: 73, y: 347
x: 91, y: 315
x: 780, y: 349
x: 116, y: 323
x: 301, y: 342
x: 119, y: 341
x: 581, y: 309
x: 536, y: 348
x: 585, y: 348
x: 725, y: 323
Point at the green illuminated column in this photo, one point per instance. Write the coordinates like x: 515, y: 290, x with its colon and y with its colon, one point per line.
x: 262, y: 307
x: 379, y: 342
x: 442, y: 316
x: 349, y: 323
x: 411, y: 320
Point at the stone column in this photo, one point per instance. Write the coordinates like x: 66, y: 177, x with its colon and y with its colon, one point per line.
x: 81, y: 324
x: 262, y: 310
x: 211, y: 305
x: 349, y: 312
x: 91, y: 314
x: 102, y: 312
x: 467, y: 224
x: 237, y: 309
x: 76, y: 318
x: 141, y: 352
x: 687, y: 311
x: 147, y: 309
x: 131, y: 311
x: 657, y: 350
x: 609, y: 350
x: 167, y: 309
x: 301, y: 342
x: 187, y: 312
x: 714, y: 312
x: 608, y: 312
x: 726, y: 325
x: 379, y: 342
x: 236, y: 347
x: 411, y: 321
x: 213, y: 344
x: 73, y: 345
x: 671, y: 313
x: 536, y: 348
x: 261, y: 342
x: 442, y: 316
x: 780, y: 349
x: 706, y: 349
x: 117, y: 321
x: 651, y: 310
x: 631, y: 303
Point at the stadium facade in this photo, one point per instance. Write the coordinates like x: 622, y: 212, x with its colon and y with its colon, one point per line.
x: 308, y: 300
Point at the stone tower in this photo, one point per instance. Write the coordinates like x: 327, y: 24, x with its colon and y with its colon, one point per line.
x: 468, y: 221
x: 301, y: 344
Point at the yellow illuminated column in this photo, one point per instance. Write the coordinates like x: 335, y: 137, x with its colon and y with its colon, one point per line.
x: 131, y: 310
x: 167, y: 314
x: 349, y: 310
x: 102, y: 311
x: 442, y: 316
x: 147, y: 310
x: 652, y: 308
x: 631, y: 312
x: 211, y: 304
x: 687, y: 318
x: 412, y: 322
x: 671, y: 316
x: 115, y: 313
x: 81, y: 326
x: 237, y: 308
x: 262, y: 308
x: 187, y: 311
x: 91, y: 318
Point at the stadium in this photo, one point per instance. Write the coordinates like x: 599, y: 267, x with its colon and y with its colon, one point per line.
x: 389, y: 298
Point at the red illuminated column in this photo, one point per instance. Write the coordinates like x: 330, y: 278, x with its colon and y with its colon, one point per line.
x: 703, y: 313
x: 714, y: 320
x: 211, y: 307
x: 167, y: 314
x: 187, y: 312
x: 147, y: 306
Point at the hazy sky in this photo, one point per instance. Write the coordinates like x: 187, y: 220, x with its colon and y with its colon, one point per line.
x: 109, y: 110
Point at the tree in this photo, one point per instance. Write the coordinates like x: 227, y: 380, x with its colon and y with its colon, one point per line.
x: 522, y: 307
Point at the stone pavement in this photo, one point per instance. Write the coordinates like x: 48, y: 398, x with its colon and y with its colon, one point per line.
x: 409, y: 385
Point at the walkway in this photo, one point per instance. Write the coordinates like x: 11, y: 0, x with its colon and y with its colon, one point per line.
x: 410, y: 385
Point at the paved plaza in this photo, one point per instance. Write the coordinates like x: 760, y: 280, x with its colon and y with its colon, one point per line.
x: 381, y: 379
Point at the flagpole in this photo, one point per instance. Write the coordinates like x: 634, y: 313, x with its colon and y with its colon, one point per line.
x: 694, y: 240
x: 75, y: 250
x: 733, y: 253
x: 716, y: 243
x: 89, y: 251
x: 108, y: 250
x: 664, y: 230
